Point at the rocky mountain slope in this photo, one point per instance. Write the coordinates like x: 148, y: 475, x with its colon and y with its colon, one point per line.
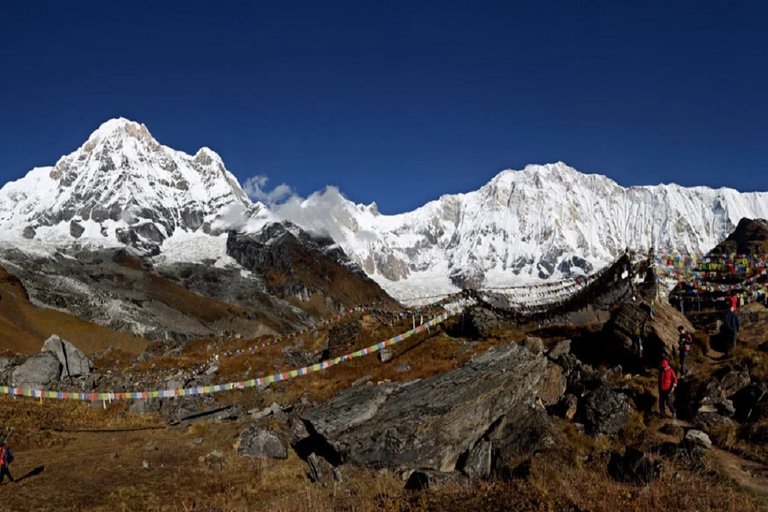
x: 114, y: 289
x: 24, y: 326
x: 749, y: 237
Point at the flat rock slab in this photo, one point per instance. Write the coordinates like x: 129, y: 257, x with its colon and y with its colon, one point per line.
x: 427, y: 423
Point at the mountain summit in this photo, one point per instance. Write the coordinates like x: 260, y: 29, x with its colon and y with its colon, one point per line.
x: 121, y: 187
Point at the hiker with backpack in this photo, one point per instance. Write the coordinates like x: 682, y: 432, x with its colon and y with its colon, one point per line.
x: 684, y: 344
x: 667, y: 385
x: 6, y: 457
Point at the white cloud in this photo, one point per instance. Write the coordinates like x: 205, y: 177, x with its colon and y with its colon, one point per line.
x: 323, y: 212
x: 255, y: 188
x: 327, y: 212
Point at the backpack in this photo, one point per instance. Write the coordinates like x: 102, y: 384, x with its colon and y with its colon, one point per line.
x: 686, y: 342
x: 7, y: 455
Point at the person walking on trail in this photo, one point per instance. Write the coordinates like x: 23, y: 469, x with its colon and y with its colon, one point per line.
x: 684, y: 344
x: 731, y: 328
x: 6, y: 457
x: 667, y: 385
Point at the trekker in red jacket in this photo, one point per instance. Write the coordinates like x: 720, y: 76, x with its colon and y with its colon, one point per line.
x: 667, y: 384
x: 6, y: 457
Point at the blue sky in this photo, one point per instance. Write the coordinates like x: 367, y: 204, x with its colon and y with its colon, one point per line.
x: 398, y: 102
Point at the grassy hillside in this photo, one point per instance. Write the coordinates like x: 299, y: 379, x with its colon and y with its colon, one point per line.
x: 24, y: 327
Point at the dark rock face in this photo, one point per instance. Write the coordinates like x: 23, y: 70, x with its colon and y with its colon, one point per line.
x: 257, y: 442
x: 479, y: 460
x: 708, y: 420
x: 521, y: 433
x: 606, y: 411
x: 6, y: 368
x: 321, y: 471
x: 734, y: 381
x: 118, y: 290
x: 535, y: 345
x: 696, y: 440
x: 38, y: 372
x: 562, y: 347
x: 149, y: 231
x: 296, y: 264
x: 712, y: 403
x: 751, y: 403
x: 566, y: 408
x: 429, y: 423
x: 749, y: 237
x: 76, y: 229
x: 482, y: 321
x: 296, y: 358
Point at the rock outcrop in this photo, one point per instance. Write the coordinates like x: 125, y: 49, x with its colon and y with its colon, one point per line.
x: 661, y: 332
x: 434, y: 422
x: 74, y: 362
x: 749, y: 237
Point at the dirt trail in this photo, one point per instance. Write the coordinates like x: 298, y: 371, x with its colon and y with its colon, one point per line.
x: 749, y: 474
x: 746, y: 473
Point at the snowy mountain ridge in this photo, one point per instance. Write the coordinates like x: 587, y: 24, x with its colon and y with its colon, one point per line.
x: 123, y: 188
x: 544, y: 222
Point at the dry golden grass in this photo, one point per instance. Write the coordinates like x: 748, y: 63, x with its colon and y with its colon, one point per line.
x: 103, y: 471
x: 92, y: 458
x: 85, y: 470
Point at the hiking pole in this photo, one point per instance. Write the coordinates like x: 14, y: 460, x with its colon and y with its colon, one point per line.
x: 9, y: 435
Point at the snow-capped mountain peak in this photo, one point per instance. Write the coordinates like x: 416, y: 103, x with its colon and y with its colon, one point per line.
x: 122, y: 187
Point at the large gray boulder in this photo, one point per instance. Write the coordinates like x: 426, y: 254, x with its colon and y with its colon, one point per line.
x: 74, y: 363
x: 429, y: 423
x: 37, y: 372
x: 258, y: 442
